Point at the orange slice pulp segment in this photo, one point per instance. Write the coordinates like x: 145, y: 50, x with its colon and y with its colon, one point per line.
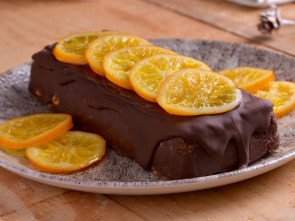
x: 282, y: 94
x: 98, y: 48
x: 147, y: 75
x: 71, y: 151
x: 249, y: 78
x: 30, y: 130
x: 194, y: 92
x: 71, y: 49
x: 117, y: 64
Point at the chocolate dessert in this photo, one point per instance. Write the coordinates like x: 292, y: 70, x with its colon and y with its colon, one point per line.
x: 174, y: 147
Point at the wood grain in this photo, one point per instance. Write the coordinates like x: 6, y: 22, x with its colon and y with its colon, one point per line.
x: 239, y: 20
x: 28, y: 25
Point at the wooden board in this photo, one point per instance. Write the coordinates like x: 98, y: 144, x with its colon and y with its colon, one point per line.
x: 239, y: 20
x: 28, y: 25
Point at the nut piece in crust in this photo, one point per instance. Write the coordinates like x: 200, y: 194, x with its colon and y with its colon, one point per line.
x: 55, y: 100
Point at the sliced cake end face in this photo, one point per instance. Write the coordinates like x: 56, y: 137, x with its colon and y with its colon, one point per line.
x: 178, y: 158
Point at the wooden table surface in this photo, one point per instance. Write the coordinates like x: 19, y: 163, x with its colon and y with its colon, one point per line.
x: 28, y: 25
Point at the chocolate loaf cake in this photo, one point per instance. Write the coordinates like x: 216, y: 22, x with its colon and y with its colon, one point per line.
x: 174, y: 147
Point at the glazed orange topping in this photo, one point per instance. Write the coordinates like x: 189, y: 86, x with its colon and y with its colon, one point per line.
x: 194, y: 92
x: 71, y: 151
x: 71, y: 49
x: 147, y: 75
x: 118, y: 64
x: 248, y: 78
x: 98, y: 48
x: 30, y: 130
x: 282, y: 94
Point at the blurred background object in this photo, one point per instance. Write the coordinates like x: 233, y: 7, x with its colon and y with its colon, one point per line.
x: 260, y: 3
x: 271, y: 20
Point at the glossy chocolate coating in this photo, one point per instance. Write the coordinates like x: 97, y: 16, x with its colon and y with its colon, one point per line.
x: 138, y: 128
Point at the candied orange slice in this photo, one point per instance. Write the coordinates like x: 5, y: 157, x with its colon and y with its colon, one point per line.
x: 147, y: 75
x: 71, y: 151
x: 249, y: 78
x: 98, y: 48
x: 30, y: 130
x: 71, y: 49
x: 13, y: 151
x: 282, y: 94
x: 194, y: 92
x: 117, y: 64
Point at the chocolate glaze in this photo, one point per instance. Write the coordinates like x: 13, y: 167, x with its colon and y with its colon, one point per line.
x: 146, y: 122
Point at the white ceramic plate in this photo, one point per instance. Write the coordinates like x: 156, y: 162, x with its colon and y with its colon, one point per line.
x: 120, y: 175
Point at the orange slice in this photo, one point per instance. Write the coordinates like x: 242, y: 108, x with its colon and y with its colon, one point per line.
x: 71, y: 49
x: 147, y: 75
x: 282, y: 94
x: 194, y: 92
x: 117, y: 64
x: 30, y: 130
x: 14, y: 151
x: 71, y: 151
x: 98, y: 48
x: 248, y: 78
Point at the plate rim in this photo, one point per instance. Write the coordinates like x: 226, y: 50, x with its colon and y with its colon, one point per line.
x: 153, y: 187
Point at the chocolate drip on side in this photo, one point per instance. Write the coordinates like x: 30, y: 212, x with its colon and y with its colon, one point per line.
x: 148, y: 124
